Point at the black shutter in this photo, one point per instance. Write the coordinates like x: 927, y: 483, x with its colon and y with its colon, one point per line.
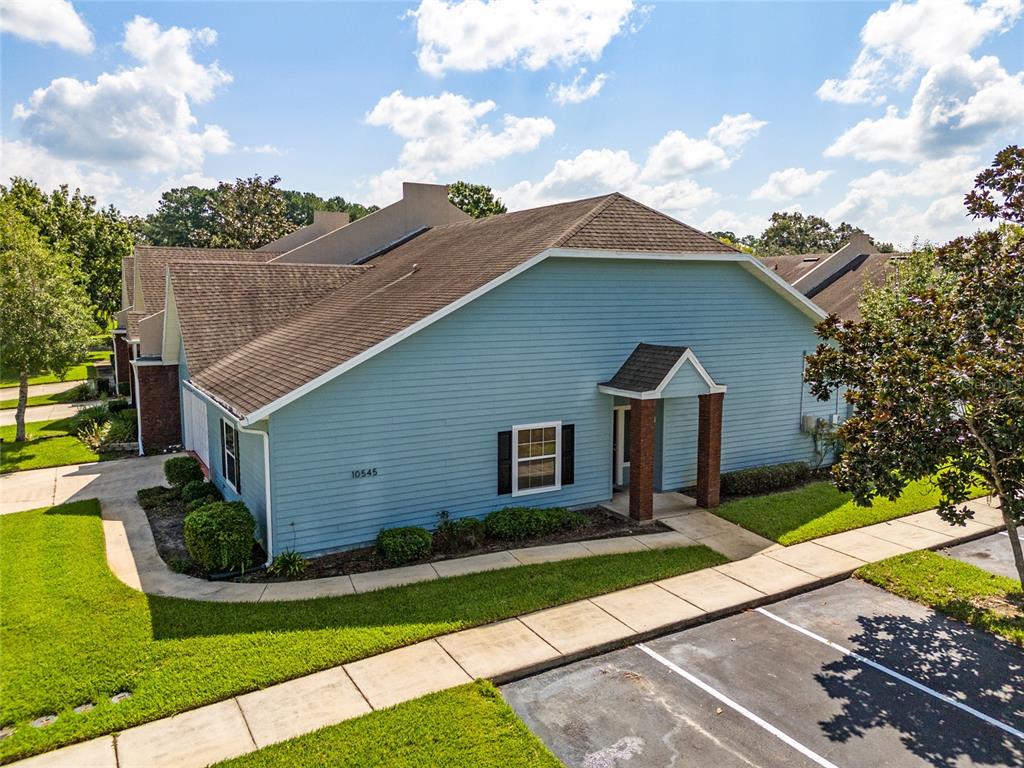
x: 238, y: 461
x: 504, y: 462
x: 568, y: 454
x: 223, y: 451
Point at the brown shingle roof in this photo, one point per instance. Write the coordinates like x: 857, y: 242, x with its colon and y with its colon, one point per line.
x: 646, y: 367
x: 424, y: 275
x: 791, y: 267
x: 223, y: 305
x: 842, y: 296
x: 132, y: 325
x: 128, y: 278
x: 151, y: 262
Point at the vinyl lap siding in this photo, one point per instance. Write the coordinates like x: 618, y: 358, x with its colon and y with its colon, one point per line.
x: 426, y: 412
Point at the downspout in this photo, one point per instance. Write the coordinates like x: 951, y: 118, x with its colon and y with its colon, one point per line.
x: 138, y: 405
x: 266, y: 485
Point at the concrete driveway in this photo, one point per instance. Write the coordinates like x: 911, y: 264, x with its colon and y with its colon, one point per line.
x: 847, y: 675
x: 991, y: 553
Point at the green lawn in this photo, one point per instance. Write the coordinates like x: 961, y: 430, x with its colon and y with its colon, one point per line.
x: 72, y: 633
x: 79, y: 372
x: 818, y: 509
x: 982, y: 599
x: 466, y: 726
x: 48, y: 445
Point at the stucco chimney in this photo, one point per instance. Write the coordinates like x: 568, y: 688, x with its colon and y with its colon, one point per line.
x: 857, y: 246
x: 328, y: 220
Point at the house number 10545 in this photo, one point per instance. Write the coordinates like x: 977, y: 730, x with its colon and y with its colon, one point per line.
x: 371, y: 472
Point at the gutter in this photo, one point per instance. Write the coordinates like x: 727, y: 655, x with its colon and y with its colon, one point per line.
x: 266, y: 486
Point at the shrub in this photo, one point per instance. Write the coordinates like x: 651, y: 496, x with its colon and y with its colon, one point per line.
x: 83, y: 392
x: 93, y: 434
x: 219, y: 536
x: 399, y: 546
x: 181, y: 470
x: 159, y: 496
x: 460, y: 535
x: 118, y: 404
x: 515, y: 523
x: 288, y: 563
x: 123, y: 427
x: 199, y: 490
x: 746, y: 482
x: 124, y: 389
x: 87, y: 418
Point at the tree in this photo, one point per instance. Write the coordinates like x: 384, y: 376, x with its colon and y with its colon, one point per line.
x: 184, y: 217
x: 96, y: 239
x: 882, y: 304
x: 795, y: 233
x: 300, y: 206
x: 45, y: 320
x: 477, y: 200
x: 249, y: 213
x: 941, y: 389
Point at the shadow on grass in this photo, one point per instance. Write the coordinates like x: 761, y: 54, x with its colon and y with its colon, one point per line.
x: 976, y: 669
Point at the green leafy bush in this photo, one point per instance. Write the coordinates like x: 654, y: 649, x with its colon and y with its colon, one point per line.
x: 158, y: 496
x: 82, y: 393
x: 288, y: 563
x: 516, y: 523
x: 399, y: 546
x: 199, y: 490
x: 459, y: 535
x: 182, y: 470
x: 219, y: 536
x: 746, y: 482
x: 118, y: 404
x: 86, y: 419
x: 123, y: 427
x: 93, y: 435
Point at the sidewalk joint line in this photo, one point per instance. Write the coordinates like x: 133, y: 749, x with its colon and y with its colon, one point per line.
x: 454, y: 660
x: 894, y: 674
x: 535, y: 632
x: 248, y: 728
x: 353, y: 681
x: 782, y: 736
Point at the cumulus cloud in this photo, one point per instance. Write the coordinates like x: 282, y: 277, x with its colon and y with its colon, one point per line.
x: 474, y: 35
x: 448, y: 133
x: 577, y: 91
x: 906, y: 39
x: 138, y: 118
x: 262, y: 149
x: 959, y: 105
x: 677, y: 155
x: 47, y: 21
x: 789, y: 183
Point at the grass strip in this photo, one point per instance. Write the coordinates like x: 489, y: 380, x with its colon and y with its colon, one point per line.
x: 48, y: 445
x: 468, y: 725
x: 819, y: 509
x: 73, y: 634
x: 984, y: 600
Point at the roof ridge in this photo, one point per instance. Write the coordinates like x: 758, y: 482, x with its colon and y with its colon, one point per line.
x: 586, y: 218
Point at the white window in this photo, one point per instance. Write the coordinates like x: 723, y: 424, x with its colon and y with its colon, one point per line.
x: 537, y: 463
x: 229, y: 456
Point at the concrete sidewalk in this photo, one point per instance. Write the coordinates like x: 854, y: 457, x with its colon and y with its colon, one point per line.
x: 44, y: 412
x: 34, y: 390
x: 509, y: 649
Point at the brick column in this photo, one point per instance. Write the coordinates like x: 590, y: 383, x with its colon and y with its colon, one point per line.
x: 641, y: 459
x: 159, y: 406
x: 709, y: 448
x: 122, y: 370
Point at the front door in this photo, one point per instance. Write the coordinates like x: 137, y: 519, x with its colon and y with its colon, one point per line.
x: 620, y: 446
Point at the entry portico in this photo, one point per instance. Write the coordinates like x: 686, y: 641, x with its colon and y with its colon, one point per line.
x: 654, y: 372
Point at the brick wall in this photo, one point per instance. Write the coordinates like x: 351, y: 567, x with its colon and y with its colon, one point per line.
x: 159, y: 406
x: 122, y: 369
x: 709, y: 448
x: 641, y: 459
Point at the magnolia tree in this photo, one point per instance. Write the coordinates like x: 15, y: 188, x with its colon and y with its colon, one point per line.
x: 940, y: 387
x: 46, y: 320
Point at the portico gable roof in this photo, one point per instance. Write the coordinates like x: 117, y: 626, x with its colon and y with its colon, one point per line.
x: 656, y: 371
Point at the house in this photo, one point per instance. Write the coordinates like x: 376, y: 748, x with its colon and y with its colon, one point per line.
x: 545, y: 357
x: 836, y: 282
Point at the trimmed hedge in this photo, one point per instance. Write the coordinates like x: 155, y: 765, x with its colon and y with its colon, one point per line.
x: 773, y: 477
x: 399, y: 546
x: 199, y: 490
x: 460, y: 535
x: 219, y: 536
x: 516, y: 523
x: 157, y: 496
x: 182, y: 470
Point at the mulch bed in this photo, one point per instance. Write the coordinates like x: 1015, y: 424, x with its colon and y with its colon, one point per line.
x: 168, y: 525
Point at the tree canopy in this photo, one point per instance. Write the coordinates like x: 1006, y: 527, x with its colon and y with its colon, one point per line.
x: 477, y: 200
x: 46, y: 322
x: 936, y: 377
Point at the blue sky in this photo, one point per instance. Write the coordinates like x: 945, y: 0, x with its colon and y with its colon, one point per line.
x: 718, y: 113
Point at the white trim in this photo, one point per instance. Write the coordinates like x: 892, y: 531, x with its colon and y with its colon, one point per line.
x: 266, y: 487
x: 516, y: 429
x: 744, y: 259
x: 224, y: 452
x: 138, y: 404
x: 619, y: 414
x: 656, y: 394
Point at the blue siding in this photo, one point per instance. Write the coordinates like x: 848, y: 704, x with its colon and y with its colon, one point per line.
x: 425, y: 413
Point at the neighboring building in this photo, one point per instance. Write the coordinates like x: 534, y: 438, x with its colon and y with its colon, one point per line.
x: 543, y: 357
x: 836, y: 282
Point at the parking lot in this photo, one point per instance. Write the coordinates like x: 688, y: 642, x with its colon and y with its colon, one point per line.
x: 846, y: 675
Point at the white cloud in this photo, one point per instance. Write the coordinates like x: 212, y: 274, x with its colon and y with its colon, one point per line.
x: 733, y: 131
x: 906, y: 39
x: 789, y: 183
x: 47, y: 21
x: 262, y: 149
x: 740, y: 224
x: 577, y: 91
x: 474, y: 35
x: 137, y: 118
x: 959, y: 105
x: 677, y: 155
x: 445, y: 134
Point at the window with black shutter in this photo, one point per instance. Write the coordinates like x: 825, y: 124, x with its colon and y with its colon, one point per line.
x: 568, y: 454
x: 229, y: 456
x: 504, y: 462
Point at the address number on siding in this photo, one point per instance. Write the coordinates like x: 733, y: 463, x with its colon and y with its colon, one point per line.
x: 370, y: 472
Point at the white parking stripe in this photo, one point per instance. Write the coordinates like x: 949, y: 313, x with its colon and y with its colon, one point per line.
x: 738, y: 707
x: 893, y: 673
